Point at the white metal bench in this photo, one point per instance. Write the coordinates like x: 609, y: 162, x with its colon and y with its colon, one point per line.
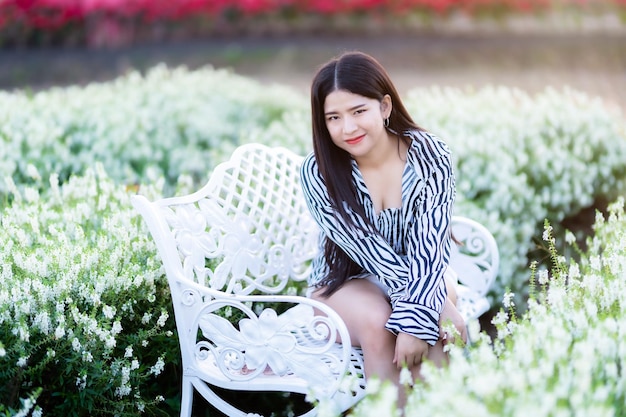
x: 236, y: 246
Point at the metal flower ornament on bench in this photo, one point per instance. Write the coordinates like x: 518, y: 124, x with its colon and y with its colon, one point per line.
x: 237, y: 254
x: 270, y: 344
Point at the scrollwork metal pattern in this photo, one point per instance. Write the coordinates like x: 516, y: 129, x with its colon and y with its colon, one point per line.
x: 189, y: 297
x: 294, y: 342
x: 255, y: 231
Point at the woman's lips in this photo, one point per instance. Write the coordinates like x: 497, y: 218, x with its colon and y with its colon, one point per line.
x: 354, y: 141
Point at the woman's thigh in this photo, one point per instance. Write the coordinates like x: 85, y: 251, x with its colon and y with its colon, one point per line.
x: 362, y: 305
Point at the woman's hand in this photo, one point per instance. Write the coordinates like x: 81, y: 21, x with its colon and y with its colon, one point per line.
x: 410, y: 350
x: 450, y: 313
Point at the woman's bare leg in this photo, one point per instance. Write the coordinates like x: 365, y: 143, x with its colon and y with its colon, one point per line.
x: 365, y: 309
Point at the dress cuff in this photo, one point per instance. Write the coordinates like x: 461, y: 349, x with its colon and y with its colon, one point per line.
x: 416, y: 320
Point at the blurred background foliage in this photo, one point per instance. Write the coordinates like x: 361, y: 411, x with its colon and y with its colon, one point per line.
x: 122, y: 22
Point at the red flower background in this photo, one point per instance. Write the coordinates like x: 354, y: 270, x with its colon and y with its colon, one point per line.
x: 32, y: 19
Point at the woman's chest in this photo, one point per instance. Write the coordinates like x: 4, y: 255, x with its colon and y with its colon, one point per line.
x: 384, y: 187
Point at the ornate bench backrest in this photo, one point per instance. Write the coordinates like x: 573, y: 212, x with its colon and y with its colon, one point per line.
x: 247, y: 230
x: 476, y: 259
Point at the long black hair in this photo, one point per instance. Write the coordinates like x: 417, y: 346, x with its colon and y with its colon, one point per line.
x: 360, y: 74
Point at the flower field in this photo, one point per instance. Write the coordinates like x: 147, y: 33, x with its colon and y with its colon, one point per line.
x: 86, y: 327
x: 564, y: 357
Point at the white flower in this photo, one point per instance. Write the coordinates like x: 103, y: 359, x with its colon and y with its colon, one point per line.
x: 162, y: 319
x: 157, y: 368
x: 547, y: 233
x: 574, y: 271
x: 76, y: 344
x: 473, y: 330
x: 569, y: 237
x: 12, y: 188
x: 116, y: 328
x: 503, y: 331
x: 128, y: 353
x: 542, y: 276
x: 110, y: 342
x: 81, y: 382
x: 32, y: 172
x: 596, y: 263
x: 146, y: 318
x: 23, y: 333
x: 507, y: 300
x: 59, y: 332
x: 109, y: 312
x: 373, y: 385
x: 405, y: 377
x: 42, y: 320
x: 500, y: 318
x: 31, y: 195
x: 122, y: 391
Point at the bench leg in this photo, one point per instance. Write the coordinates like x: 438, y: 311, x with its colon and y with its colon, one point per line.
x: 187, y: 398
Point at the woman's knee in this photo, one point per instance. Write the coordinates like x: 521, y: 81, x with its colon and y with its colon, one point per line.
x: 369, y: 323
x: 363, y: 307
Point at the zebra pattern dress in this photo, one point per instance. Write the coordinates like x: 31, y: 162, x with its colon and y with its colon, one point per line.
x: 410, y: 250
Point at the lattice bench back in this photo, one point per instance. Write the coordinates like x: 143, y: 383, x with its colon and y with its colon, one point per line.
x: 250, y: 221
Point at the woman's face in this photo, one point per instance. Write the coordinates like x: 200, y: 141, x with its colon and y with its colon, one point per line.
x: 355, y: 122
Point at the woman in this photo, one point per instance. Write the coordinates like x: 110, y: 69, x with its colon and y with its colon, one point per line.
x: 382, y: 190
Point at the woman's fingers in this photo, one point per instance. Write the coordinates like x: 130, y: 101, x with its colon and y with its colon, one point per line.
x: 410, y: 350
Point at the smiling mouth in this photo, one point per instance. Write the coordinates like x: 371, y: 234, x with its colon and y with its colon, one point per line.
x: 354, y: 141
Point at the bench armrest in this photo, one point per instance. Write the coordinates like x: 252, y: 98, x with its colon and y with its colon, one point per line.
x: 273, y: 340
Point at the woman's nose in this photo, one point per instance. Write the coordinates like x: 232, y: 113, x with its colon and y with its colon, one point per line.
x: 348, y: 125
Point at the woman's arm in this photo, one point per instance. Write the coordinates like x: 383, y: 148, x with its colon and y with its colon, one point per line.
x: 416, y: 309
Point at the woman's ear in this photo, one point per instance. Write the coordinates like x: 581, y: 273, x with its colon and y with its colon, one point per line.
x: 385, y: 106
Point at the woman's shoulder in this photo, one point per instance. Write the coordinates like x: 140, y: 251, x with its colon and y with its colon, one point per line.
x: 312, y: 182
x: 310, y: 175
x: 309, y: 165
x: 427, y: 146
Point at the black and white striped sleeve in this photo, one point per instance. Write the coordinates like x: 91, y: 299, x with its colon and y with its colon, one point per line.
x: 416, y: 310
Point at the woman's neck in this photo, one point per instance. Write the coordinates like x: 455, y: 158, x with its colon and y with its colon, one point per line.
x: 383, y: 175
x: 390, y: 151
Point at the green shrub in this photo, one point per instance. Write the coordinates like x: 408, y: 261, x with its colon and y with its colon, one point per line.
x: 84, y: 307
x: 166, y: 123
